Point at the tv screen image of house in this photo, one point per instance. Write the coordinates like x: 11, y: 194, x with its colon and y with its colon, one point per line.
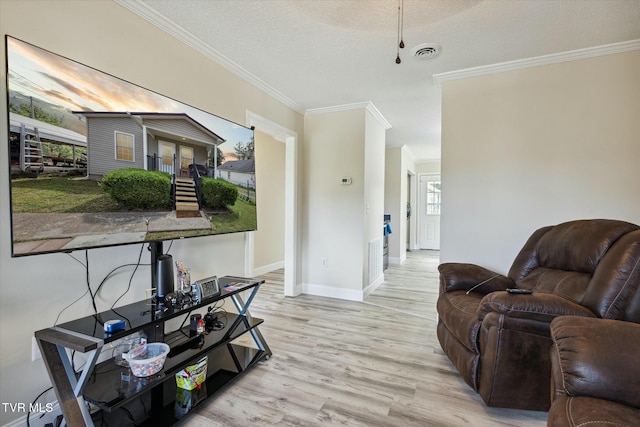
x: 97, y: 161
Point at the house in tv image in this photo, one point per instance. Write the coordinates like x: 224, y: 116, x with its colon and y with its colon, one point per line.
x: 167, y: 142
x: 174, y: 143
x: 238, y: 172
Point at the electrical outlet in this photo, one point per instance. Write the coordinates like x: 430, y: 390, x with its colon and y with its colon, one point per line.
x: 35, y: 350
x: 323, y: 262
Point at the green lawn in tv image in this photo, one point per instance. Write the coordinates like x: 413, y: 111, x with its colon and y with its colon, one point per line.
x: 61, y: 208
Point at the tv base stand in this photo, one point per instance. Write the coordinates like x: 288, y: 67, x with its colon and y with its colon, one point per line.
x: 104, y: 390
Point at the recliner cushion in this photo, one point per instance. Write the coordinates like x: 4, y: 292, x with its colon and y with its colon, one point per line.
x: 569, y: 284
x: 598, y: 358
x: 459, y: 313
x: 579, y: 245
x: 614, y: 292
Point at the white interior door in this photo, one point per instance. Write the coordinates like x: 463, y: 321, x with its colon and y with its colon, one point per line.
x: 429, y: 216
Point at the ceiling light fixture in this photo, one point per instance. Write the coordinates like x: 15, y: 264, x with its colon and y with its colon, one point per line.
x: 400, y: 40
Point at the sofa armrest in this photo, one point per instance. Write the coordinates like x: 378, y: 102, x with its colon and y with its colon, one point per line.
x: 470, y: 277
x: 537, y: 306
x: 596, y: 358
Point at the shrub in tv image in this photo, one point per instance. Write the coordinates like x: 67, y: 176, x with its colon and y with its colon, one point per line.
x: 97, y: 161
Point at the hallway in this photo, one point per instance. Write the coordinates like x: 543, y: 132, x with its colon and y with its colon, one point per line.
x: 412, y: 287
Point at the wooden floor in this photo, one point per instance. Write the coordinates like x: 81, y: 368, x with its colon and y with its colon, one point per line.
x: 335, y: 362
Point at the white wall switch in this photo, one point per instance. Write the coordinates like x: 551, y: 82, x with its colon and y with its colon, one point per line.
x: 345, y: 180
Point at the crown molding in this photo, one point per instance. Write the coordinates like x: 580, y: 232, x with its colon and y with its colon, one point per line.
x: 378, y: 116
x: 554, y: 58
x: 278, y: 132
x: 367, y: 105
x: 175, y: 30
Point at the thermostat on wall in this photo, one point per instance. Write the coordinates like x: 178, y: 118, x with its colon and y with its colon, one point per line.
x: 345, y: 180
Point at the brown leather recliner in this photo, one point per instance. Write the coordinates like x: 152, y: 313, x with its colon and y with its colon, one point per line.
x: 499, y: 341
x: 595, y: 373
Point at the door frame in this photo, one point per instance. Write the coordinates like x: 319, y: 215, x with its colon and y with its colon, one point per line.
x: 290, y: 139
x: 412, y: 223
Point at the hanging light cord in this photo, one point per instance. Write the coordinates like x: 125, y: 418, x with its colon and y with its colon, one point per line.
x: 400, y: 41
x: 401, y: 24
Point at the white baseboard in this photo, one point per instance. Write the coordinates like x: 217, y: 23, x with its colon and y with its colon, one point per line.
x: 257, y: 271
x: 397, y: 261
x: 373, y: 286
x: 298, y: 288
x: 332, y: 292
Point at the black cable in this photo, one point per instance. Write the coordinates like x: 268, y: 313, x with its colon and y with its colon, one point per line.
x: 75, y: 259
x: 86, y: 267
x: 131, y: 278
x: 138, y: 264
x: 33, y: 404
x: 183, y: 322
x: 220, y: 325
x: 93, y: 296
x: 166, y: 334
x: 113, y: 271
x: 130, y: 415
x: 63, y: 310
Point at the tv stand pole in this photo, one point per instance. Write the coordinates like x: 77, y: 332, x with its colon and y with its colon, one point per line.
x: 156, y: 250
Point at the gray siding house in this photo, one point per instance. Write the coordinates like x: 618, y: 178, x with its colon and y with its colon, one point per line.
x: 238, y: 172
x: 117, y: 140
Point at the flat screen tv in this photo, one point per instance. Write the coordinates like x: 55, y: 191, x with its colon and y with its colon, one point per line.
x: 97, y: 161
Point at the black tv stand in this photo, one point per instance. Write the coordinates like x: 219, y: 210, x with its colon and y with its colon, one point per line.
x: 109, y: 392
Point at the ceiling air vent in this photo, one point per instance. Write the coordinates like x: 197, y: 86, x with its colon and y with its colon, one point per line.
x: 426, y: 50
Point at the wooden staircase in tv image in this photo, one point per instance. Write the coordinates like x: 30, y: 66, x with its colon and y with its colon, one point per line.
x: 186, y: 199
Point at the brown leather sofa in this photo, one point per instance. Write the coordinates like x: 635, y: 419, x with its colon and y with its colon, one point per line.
x: 595, y: 373
x: 499, y: 342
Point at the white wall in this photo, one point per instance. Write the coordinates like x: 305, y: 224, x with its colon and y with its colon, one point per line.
x: 393, y: 201
x: 535, y: 147
x: 428, y: 167
x: 269, y: 238
x: 333, y: 226
x: 374, y: 153
x: 104, y: 35
x: 341, y: 220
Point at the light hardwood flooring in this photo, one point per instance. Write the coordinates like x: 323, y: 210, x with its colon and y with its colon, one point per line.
x: 336, y: 362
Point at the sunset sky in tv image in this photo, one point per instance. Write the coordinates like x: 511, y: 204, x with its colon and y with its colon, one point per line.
x: 72, y: 86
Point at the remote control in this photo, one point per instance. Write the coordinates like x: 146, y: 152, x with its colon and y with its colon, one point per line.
x: 519, y: 291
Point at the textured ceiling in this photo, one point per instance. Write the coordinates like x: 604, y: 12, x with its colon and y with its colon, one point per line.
x: 323, y: 53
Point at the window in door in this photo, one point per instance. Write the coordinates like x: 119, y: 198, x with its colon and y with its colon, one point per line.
x: 433, y: 189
